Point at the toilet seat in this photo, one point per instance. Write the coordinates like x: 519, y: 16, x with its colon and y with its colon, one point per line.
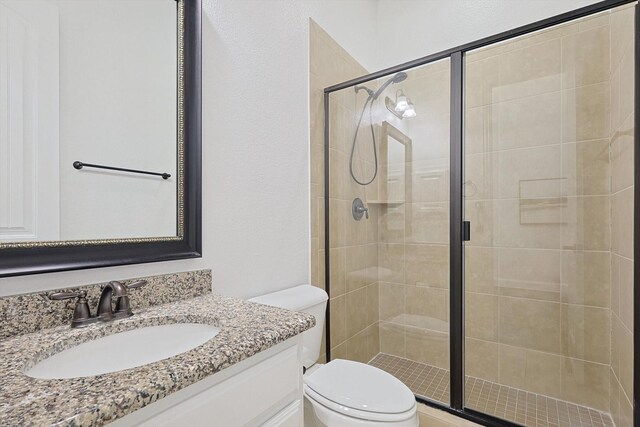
x: 360, y: 391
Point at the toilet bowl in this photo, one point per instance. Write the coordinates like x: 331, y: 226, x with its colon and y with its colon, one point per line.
x: 347, y: 393
x: 343, y: 392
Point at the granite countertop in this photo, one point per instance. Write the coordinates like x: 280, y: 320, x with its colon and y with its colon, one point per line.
x: 246, y: 329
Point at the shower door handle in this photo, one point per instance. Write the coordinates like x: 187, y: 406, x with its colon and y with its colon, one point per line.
x: 466, y: 231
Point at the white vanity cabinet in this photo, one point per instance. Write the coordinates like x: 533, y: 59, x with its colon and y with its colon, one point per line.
x: 263, y: 390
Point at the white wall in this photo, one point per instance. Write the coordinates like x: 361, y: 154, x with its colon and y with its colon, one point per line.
x: 255, y: 125
x: 256, y: 139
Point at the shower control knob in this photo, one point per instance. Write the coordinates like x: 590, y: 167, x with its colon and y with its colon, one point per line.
x: 358, y: 209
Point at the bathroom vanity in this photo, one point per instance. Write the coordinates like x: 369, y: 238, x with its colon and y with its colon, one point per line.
x: 244, y: 394
x: 249, y: 373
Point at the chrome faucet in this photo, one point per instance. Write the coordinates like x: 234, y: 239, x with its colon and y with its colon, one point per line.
x: 105, y: 313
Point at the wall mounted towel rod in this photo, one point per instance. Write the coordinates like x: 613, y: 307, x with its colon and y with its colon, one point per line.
x: 79, y: 165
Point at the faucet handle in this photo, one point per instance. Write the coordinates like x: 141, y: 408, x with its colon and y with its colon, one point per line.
x: 123, y: 306
x: 81, y: 312
x: 136, y: 284
x: 58, y: 296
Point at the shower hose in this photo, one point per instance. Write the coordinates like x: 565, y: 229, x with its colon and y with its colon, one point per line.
x: 369, y: 101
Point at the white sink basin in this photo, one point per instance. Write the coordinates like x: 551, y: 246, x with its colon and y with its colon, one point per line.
x: 123, y: 350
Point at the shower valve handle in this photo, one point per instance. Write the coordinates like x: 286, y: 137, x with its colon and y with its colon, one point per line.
x: 358, y: 209
x: 366, y: 212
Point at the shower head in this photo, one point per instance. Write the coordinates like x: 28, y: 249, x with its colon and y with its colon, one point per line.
x: 397, y: 78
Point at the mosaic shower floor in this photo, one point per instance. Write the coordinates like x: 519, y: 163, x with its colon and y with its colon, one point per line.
x: 522, y: 407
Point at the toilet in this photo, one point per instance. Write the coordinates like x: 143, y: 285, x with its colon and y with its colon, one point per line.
x: 342, y: 392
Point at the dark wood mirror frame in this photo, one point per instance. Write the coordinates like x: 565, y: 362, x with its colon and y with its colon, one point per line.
x: 50, y: 258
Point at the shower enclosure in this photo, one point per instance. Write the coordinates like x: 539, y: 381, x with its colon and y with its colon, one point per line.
x: 479, y: 217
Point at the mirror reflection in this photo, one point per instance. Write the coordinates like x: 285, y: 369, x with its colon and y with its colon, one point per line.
x: 91, y: 81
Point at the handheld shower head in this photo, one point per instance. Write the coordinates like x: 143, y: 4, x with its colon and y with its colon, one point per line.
x: 399, y: 77
x: 396, y: 78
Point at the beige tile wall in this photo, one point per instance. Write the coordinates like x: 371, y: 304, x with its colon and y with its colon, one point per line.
x: 538, y: 267
x: 354, y: 249
x: 370, y: 258
x: 622, y: 185
x: 413, y: 248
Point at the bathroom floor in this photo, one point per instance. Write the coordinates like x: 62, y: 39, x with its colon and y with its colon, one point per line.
x: 522, y: 407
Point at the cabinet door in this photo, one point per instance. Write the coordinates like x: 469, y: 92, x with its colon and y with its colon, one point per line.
x: 248, y: 398
x: 29, y: 121
x: 291, y: 416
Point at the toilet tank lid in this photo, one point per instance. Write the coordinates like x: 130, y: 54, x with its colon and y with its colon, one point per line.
x: 297, y: 298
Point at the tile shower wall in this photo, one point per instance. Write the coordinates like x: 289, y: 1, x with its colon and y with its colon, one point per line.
x: 354, y: 279
x: 547, y: 289
x: 622, y: 187
x: 542, y: 198
x: 413, y: 248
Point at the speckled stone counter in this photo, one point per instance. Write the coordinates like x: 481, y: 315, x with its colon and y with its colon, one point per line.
x: 246, y: 329
x: 23, y: 314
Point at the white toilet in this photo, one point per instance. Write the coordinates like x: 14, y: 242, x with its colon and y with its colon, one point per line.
x: 342, y: 392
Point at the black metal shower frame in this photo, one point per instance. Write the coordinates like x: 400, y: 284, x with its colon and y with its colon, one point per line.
x: 456, y: 255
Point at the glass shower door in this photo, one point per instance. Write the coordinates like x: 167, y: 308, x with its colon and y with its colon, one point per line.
x: 389, y: 226
x: 548, y: 190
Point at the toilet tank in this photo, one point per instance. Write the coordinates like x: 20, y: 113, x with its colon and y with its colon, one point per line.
x: 310, y: 300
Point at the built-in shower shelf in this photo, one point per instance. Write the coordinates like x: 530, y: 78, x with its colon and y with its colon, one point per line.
x: 385, y: 202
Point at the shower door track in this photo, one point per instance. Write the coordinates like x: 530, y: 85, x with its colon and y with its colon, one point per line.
x: 456, y: 256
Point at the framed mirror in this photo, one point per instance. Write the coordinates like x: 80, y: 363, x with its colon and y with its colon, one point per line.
x: 100, y: 133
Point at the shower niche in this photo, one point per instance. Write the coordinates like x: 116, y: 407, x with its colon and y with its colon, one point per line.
x: 529, y: 137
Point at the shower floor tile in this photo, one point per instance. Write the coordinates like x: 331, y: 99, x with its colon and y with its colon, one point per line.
x: 522, y: 407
